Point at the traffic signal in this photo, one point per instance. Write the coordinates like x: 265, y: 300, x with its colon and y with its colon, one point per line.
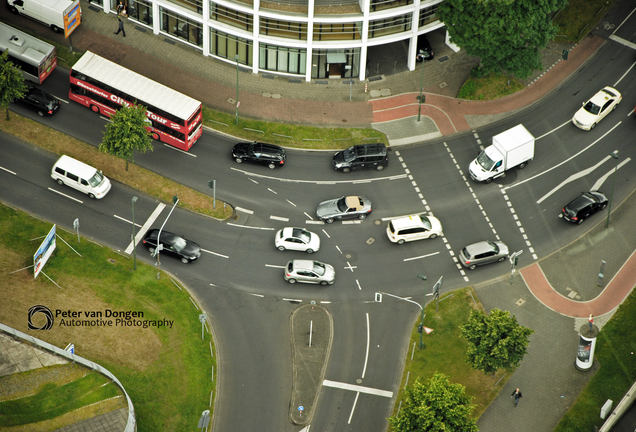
x: 420, y: 328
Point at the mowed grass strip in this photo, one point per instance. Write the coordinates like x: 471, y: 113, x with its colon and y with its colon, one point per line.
x: 445, y: 352
x: 616, y: 353
x: 167, y: 371
x: 53, y: 400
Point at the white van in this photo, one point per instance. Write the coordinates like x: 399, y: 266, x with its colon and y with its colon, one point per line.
x: 71, y: 172
x: 50, y: 12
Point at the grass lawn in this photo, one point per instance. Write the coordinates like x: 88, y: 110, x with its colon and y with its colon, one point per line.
x: 579, y: 18
x: 445, y: 352
x: 491, y: 86
x: 615, y: 352
x: 166, y: 370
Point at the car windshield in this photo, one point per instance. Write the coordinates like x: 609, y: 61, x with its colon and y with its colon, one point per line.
x: 96, y: 180
x: 319, y: 268
x: 494, y: 247
x: 302, y: 234
x: 592, y: 108
x: 425, y: 222
x: 349, y: 154
x: 342, y: 205
x: 178, y: 244
x: 485, y: 162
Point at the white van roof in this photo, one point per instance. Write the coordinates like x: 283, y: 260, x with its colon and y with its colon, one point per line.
x: 76, y: 167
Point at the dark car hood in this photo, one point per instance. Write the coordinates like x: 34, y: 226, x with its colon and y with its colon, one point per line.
x: 240, y: 149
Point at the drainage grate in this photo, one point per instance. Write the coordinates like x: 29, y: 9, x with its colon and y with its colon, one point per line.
x: 443, y: 59
x: 141, y: 29
x: 95, y: 8
x: 375, y: 78
x: 170, y: 41
x: 295, y: 81
x: 268, y: 76
x: 322, y: 82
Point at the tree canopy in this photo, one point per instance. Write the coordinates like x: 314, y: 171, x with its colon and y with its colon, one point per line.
x: 127, y: 133
x: 437, y: 406
x: 504, y: 34
x: 12, y: 84
x: 495, y: 341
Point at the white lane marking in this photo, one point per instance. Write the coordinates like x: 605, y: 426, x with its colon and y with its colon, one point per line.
x: 574, y: 177
x: 326, y: 233
x: 314, y: 222
x: 352, y: 222
x: 272, y: 191
x: 384, y: 219
x: 255, y: 295
x: 179, y: 150
x: 292, y: 300
x: 291, y: 203
x: 565, y: 161
x: 358, y: 388
x: 553, y: 130
x: 320, y: 182
x: 251, y: 227
x: 244, y: 210
x: 366, y: 357
x: 274, y: 266
x: 214, y: 253
x: 67, y: 196
x: 126, y: 220
x: 420, y: 257
x: 632, y: 46
x: 283, y: 219
x: 353, y: 408
x: 630, y: 14
x: 142, y: 231
x: 600, y: 181
x: 9, y: 171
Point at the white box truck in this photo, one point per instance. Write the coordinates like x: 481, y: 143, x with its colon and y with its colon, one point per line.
x: 509, y: 149
x: 60, y: 15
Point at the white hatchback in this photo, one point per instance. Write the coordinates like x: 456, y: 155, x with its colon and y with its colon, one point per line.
x: 413, y: 227
x: 298, y: 239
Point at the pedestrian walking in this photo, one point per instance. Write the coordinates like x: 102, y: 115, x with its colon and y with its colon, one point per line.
x: 121, y: 27
x: 516, y: 395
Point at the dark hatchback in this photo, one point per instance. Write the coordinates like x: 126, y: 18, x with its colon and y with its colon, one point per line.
x: 174, y: 245
x: 424, y: 49
x: 361, y: 156
x: 584, y: 206
x: 44, y: 103
x: 261, y: 153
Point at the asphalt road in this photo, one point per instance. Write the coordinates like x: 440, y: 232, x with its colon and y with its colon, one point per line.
x: 239, y: 276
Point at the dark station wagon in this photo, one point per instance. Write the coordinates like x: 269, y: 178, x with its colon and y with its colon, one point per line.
x: 261, y: 153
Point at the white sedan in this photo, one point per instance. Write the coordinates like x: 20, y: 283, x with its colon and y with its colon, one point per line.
x: 298, y: 239
x: 594, y: 110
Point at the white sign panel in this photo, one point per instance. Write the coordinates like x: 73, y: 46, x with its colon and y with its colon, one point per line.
x: 44, y: 252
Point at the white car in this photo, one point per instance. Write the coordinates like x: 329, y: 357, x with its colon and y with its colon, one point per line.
x: 594, y: 110
x: 298, y: 239
x: 413, y: 227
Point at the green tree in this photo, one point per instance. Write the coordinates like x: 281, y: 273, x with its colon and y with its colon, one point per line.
x: 495, y: 341
x: 12, y: 84
x: 127, y: 133
x: 504, y: 34
x: 437, y: 406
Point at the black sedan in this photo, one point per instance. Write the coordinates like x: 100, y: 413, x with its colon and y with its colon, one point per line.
x: 174, y: 245
x: 261, y: 153
x: 584, y: 206
x: 44, y: 103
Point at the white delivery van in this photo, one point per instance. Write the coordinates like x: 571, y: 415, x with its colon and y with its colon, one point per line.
x: 71, y: 172
x: 510, y: 149
x: 49, y: 12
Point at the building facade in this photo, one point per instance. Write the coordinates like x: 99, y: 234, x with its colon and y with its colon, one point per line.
x: 313, y: 39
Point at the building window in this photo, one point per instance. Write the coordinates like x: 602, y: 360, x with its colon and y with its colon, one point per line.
x: 228, y: 46
x: 323, y: 65
x: 282, y: 59
x: 387, y: 26
x: 337, y: 31
x: 231, y: 17
x: 428, y: 15
x: 193, y: 5
x: 140, y: 10
x: 376, y: 5
x: 283, y: 29
x: 181, y: 27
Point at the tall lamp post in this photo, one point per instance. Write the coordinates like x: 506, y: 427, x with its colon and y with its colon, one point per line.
x: 609, y: 205
x: 421, y: 98
x: 420, y: 327
x: 175, y: 200
x: 236, y: 57
x: 134, y: 200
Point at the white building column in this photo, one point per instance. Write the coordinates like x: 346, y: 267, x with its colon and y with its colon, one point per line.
x: 365, y: 5
x: 415, y: 27
x: 255, y: 44
x: 156, y: 19
x: 310, y: 40
x: 206, y: 28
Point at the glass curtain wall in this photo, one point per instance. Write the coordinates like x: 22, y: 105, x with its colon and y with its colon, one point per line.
x: 282, y: 59
x: 227, y: 46
x: 320, y: 68
x: 181, y: 27
x: 140, y: 10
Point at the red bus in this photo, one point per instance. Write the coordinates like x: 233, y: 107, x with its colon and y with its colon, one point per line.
x: 36, y: 58
x: 104, y: 86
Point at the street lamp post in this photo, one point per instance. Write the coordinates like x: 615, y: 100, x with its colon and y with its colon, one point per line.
x: 134, y: 200
x: 419, y: 108
x: 175, y: 201
x: 609, y: 205
x: 236, y: 57
x: 421, y: 326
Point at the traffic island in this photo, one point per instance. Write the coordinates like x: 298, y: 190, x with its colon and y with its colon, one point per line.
x: 312, y: 333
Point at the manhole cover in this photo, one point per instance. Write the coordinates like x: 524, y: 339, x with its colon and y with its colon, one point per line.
x: 370, y: 240
x: 349, y: 256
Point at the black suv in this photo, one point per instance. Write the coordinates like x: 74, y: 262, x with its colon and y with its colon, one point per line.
x: 361, y: 156
x: 45, y: 103
x: 584, y: 206
x: 260, y: 153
